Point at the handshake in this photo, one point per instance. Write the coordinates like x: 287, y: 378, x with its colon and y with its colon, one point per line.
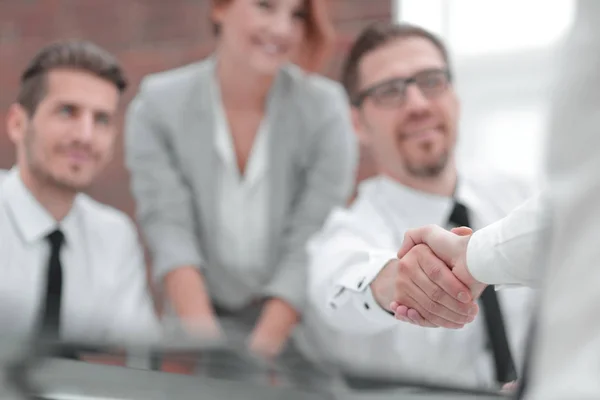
x: 429, y: 284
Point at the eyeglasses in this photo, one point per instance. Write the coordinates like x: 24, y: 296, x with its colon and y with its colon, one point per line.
x: 392, y: 93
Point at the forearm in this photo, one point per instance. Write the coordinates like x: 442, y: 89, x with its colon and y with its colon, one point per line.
x: 186, y: 290
x: 276, y: 323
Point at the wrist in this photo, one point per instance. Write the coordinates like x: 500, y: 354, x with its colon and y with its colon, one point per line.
x: 273, y: 328
x: 382, y: 286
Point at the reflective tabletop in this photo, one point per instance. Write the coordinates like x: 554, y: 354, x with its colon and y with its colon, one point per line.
x: 40, y: 375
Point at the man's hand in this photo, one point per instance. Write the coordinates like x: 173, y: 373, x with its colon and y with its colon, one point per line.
x: 273, y: 328
x: 449, y: 247
x: 421, y: 281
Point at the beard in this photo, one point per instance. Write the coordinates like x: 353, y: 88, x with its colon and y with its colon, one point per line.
x: 429, y: 170
x: 41, y: 172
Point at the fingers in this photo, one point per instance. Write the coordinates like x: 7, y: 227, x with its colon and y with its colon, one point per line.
x: 415, y: 289
x: 462, y: 231
x: 433, y: 299
x: 429, y: 320
x: 443, y: 243
x: 428, y: 287
x: 435, y: 313
x: 440, y: 284
x: 410, y: 315
x: 413, y: 237
x: 418, y: 319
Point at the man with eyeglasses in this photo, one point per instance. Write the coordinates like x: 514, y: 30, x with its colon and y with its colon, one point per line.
x: 405, y: 111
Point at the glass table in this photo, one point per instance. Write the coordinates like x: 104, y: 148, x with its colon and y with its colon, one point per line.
x: 36, y: 373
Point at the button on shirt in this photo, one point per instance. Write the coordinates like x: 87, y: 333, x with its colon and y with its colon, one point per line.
x: 353, y: 331
x: 104, y: 292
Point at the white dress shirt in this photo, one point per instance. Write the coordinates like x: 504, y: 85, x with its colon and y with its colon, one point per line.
x: 242, y: 230
x: 350, y: 327
x: 104, y: 295
x: 565, y: 226
x: 507, y: 251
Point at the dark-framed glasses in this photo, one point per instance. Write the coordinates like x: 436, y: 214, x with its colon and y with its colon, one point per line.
x: 392, y: 93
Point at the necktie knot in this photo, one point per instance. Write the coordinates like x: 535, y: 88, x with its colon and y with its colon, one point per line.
x: 459, y: 215
x: 56, y: 239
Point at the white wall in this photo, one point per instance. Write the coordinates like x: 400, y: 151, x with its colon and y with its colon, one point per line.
x: 503, y: 55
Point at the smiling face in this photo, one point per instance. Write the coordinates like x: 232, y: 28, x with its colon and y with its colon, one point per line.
x: 71, y: 135
x: 415, y: 137
x: 261, y: 34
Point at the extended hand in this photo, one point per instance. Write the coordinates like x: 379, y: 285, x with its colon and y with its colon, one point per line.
x: 449, y: 247
x: 421, y: 281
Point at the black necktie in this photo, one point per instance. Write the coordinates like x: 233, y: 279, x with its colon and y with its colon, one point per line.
x: 50, y: 323
x: 505, y: 368
x: 523, y: 381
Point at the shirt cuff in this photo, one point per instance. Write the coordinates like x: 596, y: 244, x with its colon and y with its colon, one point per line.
x: 482, y: 260
x: 356, y: 289
x: 359, y: 277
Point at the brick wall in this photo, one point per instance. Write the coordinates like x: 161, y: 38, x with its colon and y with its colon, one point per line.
x: 147, y: 35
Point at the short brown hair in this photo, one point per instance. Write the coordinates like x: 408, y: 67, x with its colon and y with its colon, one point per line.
x: 319, y: 37
x: 77, y: 54
x: 375, y: 36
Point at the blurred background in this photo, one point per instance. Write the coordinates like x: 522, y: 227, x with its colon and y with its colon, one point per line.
x: 501, y: 50
x: 147, y: 36
x: 503, y: 58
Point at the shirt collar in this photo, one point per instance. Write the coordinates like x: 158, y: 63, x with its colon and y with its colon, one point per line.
x: 31, y: 219
x: 410, y: 206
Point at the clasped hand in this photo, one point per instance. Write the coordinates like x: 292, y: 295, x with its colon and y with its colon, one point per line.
x: 429, y: 284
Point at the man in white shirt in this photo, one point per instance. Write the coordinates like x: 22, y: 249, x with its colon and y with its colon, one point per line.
x: 72, y: 268
x: 406, y: 111
x: 561, y: 227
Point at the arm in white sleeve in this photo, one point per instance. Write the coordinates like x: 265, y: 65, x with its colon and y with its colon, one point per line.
x: 342, y: 266
x: 507, y: 251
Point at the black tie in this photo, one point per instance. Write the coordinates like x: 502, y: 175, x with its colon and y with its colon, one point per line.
x: 505, y: 368
x: 523, y: 387
x: 51, y: 314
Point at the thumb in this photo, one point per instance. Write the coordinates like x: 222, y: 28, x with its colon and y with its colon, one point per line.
x: 412, y: 237
x: 462, y: 231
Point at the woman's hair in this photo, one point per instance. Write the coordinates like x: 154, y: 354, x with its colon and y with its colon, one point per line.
x: 319, y: 35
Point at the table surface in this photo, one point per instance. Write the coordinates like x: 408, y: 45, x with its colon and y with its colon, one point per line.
x: 63, y: 379
x: 71, y: 380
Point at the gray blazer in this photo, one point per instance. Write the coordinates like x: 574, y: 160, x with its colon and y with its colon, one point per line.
x: 170, y: 156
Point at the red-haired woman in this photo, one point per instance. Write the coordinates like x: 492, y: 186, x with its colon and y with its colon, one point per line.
x: 236, y: 161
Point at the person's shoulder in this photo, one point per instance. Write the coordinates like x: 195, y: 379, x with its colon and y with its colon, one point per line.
x: 103, y: 218
x: 315, y: 90
x: 174, y: 80
x: 360, y: 217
